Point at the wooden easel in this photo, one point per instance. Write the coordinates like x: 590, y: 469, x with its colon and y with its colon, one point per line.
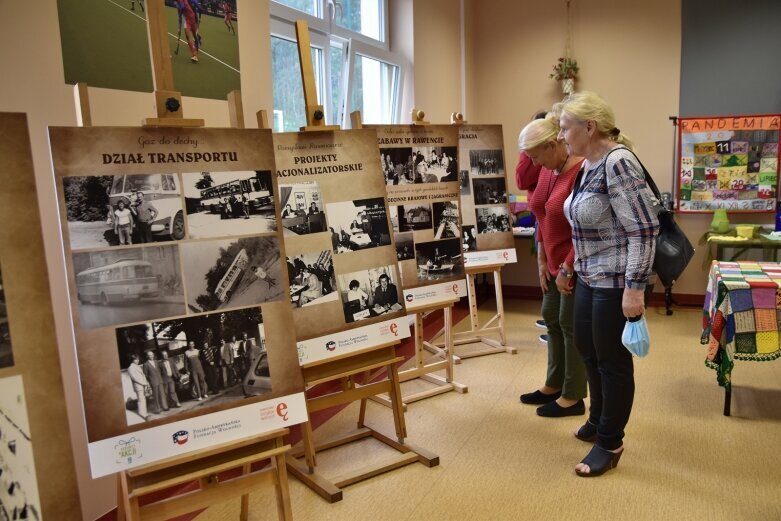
x: 478, y: 333
x: 422, y: 369
x: 204, y: 466
x: 347, y: 367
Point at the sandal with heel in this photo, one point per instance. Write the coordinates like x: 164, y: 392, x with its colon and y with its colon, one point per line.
x: 587, y: 432
x: 599, y: 461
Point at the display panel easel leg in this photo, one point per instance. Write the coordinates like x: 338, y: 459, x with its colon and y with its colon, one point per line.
x: 424, y: 370
x: 205, y: 466
x: 495, y: 325
x: 345, y: 369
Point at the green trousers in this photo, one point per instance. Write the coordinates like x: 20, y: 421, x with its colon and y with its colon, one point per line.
x: 566, y: 370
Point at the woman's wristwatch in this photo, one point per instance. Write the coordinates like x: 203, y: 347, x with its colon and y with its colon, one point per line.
x: 564, y: 273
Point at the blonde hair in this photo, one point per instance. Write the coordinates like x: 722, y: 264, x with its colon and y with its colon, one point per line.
x: 589, y: 106
x: 540, y: 131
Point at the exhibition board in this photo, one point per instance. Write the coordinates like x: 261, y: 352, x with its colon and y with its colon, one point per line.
x: 341, y: 261
x: 485, y: 211
x: 37, y: 472
x: 420, y: 169
x: 174, y: 258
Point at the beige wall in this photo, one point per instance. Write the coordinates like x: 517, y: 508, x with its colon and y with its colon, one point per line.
x: 437, y: 59
x: 629, y: 52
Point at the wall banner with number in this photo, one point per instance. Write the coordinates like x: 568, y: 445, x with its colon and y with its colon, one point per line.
x: 728, y: 162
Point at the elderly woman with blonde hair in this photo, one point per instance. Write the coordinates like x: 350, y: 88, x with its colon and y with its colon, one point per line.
x: 614, y: 228
x: 565, y: 383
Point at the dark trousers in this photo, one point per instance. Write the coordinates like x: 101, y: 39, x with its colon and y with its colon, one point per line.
x: 599, y: 323
x: 144, y: 231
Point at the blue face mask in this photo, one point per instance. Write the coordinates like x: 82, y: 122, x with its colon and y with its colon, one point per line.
x: 635, y: 337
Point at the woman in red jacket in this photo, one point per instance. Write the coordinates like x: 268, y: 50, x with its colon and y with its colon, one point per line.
x: 565, y: 384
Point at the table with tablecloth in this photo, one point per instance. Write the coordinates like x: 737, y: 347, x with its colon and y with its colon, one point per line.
x: 741, y: 316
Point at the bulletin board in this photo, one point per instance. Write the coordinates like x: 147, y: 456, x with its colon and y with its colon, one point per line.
x: 180, y: 312
x: 729, y: 163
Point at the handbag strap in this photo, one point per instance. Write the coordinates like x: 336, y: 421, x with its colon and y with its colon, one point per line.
x: 648, y: 179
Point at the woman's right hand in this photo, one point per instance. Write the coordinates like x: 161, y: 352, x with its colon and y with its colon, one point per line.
x: 542, y: 268
x: 544, y: 275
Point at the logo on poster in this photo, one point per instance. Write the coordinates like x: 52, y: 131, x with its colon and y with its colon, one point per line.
x: 181, y: 437
x: 505, y: 255
x: 409, y: 297
x: 282, y: 411
x: 330, y: 345
x: 455, y: 288
x: 128, y: 450
x: 394, y: 328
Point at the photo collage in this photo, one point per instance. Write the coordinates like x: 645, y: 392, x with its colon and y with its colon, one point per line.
x: 484, y: 192
x: 147, y: 247
x: 423, y: 185
x: 339, y: 246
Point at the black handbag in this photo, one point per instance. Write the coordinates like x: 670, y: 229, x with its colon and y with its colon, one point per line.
x: 674, y: 251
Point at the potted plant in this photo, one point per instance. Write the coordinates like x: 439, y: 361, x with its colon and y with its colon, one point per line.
x: 566, y: 71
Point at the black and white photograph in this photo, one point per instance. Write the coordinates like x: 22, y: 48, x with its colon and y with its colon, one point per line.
x: 490, y: 191
x: 312, y: 278
x: 358, y: 225
x: 123, y: 209
x: 126, y: 285
x: 396, y: 165
x: 176, y: 366
x: 232, y: 273
x: 439, y: 260
x: 369, y: 293
x: 302, y: 208
x: 486, y: 162
x: 435, y: 164
x: 470, y: 238
x: 463, y: 179
x: 6, y: 352
x: 222, y: 204
x: 493, y: 219
x: 413, y: 217
x: 405, y: 246
x: 446, y: 219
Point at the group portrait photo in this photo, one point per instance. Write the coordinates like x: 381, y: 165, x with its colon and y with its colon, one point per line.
x: 176, y: 366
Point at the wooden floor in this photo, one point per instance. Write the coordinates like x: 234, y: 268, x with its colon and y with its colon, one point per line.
x: 499, y: 460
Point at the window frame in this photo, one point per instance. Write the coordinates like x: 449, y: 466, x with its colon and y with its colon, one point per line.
x: 322, y: 32
x: 359, y: 48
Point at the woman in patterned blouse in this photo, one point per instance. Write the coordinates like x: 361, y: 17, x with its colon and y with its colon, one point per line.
x: 614, y: 228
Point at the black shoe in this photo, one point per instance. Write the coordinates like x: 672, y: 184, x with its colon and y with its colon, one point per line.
x: 554, y: 410
x: 539, y: 398
x: 544, y: 339
x: 587, y: 432
x: 540, y: 323
x: 599, y: 461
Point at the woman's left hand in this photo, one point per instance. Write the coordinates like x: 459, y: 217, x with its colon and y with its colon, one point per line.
x: 564, y: 285
x: 633, y: 302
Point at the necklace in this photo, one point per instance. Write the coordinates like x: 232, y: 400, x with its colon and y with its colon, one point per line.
x: 558, y: 171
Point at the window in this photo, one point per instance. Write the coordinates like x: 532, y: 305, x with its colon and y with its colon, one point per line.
x: 353, y: 67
